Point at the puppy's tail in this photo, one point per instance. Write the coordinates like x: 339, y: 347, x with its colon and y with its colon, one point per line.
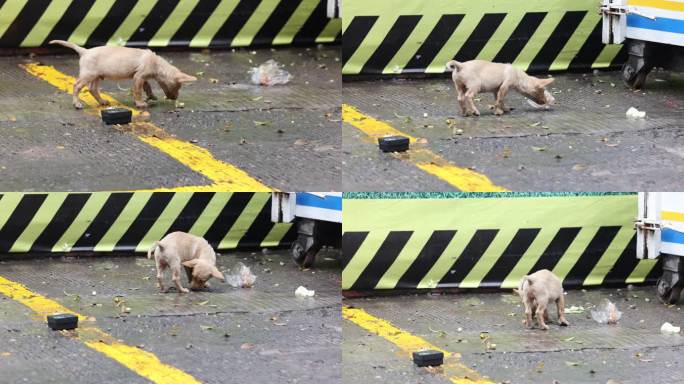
x: 79, y: 50
x: 454, y: 65
x: 155, y: 245
x: 526, y: 282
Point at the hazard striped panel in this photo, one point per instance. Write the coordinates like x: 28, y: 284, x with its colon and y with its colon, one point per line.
x: 132, y: 221
x: 416, y: 36
x: 167, y: 23
x: 401, y: 241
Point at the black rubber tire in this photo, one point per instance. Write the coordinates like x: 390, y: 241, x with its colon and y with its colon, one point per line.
x: 639, y: 80
x: 663, y: 291
x: 298, y: 255
x: 674, y: 295
x: 310, y: 256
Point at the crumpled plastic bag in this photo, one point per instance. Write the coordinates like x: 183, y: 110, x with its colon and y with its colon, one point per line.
x: 634, y: 113
x: 669, y: 329
x: 243, y: 278
x: 606, y: 313
x: 269, y: 73
x: 304, y: 292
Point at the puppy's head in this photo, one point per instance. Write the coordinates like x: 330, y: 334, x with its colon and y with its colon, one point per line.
x: 202, y: 271
x: 539, y: 94
x: 172, y: 84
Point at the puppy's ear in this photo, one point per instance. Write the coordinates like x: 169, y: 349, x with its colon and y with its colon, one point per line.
x: 217, y: 274
x: 185, y: 78
x: 191, y: 263
x: 545, y: 82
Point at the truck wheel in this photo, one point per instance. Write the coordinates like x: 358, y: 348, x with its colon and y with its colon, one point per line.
x: 667, y: 294
x: 633, y: 78
x: 298, y: 254
x: 310, y: 256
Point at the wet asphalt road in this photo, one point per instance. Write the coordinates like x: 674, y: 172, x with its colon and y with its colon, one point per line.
x: 634, y: 351
x: 225, y: 335
x: 585, y: 143
x: 286, y: 136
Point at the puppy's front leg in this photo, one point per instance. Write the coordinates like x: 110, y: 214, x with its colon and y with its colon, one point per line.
x: 175, y: 277
x: 148, y: 91
x: 560, y: 304
x: 138, y: 84
x: 500, y: 108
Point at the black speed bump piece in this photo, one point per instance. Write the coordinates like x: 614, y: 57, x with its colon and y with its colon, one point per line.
x: 62, y: 321
x: 393, y: 143
x: 428, y: 358
x: 116, y: 116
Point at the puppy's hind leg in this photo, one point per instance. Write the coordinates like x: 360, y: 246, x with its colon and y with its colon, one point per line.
x: 94, y: 88
x: 560, y: 304
x: 528, y: 314
x: 461, y: 100
x: 470, y: 95
x: 541, y: 309
x: 160, y: 274
x: 78, y: 85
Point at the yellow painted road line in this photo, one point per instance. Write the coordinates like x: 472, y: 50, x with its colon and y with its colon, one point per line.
x: 224, y: 176
x: 141, y: 362
x: 453, y: 368
x: 464, y: 179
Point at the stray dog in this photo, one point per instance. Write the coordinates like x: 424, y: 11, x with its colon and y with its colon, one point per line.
x: 117, y: 63
x: 537, y: 291
x: 193, y: 252
x: 476, y: 76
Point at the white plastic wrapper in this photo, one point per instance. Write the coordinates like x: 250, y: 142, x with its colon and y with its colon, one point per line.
x: 634, y: 113
x: 669, y: 329
x: 242, y: 278
x: 606, y: 313
x: 269, y: 73
x: 303, y: 292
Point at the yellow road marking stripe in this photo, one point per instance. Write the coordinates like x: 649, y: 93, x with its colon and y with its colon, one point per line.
x: 224, y: 176
x: 453, y: 368
x: 141, y: 362
x: 464, y: 179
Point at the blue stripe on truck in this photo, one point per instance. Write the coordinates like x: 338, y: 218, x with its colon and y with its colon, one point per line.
x: 672, y: 236
x: 659, y: 24
x: 329, y: 202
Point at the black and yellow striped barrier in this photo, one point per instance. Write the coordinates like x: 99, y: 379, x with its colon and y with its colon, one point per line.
x: 443, y: 240
x: 166, y: 23
x: 418, y: 36
x: 132, y: 221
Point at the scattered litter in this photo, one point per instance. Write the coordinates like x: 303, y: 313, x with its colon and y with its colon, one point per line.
x: 606, y: 313
x: 575, y: 309
x: 573, y: 363
x: 269, y: 73
x: 243, y: 278
x: 62, y: 321
x: 206, y: 327
x: 669, y: 329
x: 303, y: 292
x: 634, y: 113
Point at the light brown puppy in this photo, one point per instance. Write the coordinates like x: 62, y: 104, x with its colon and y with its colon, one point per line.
x: 475, y: 76
x: 118, y: 63
x: 193, y: 252
x: 537, y: 291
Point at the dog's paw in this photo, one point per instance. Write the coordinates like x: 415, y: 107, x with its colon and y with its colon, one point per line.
x: 104, y: 103
x: 564, y: 323
x: 544, y: 327
x: 498, y: 112
x: 140, y: 104
x: 152, y: 97
x: 78, y: 105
